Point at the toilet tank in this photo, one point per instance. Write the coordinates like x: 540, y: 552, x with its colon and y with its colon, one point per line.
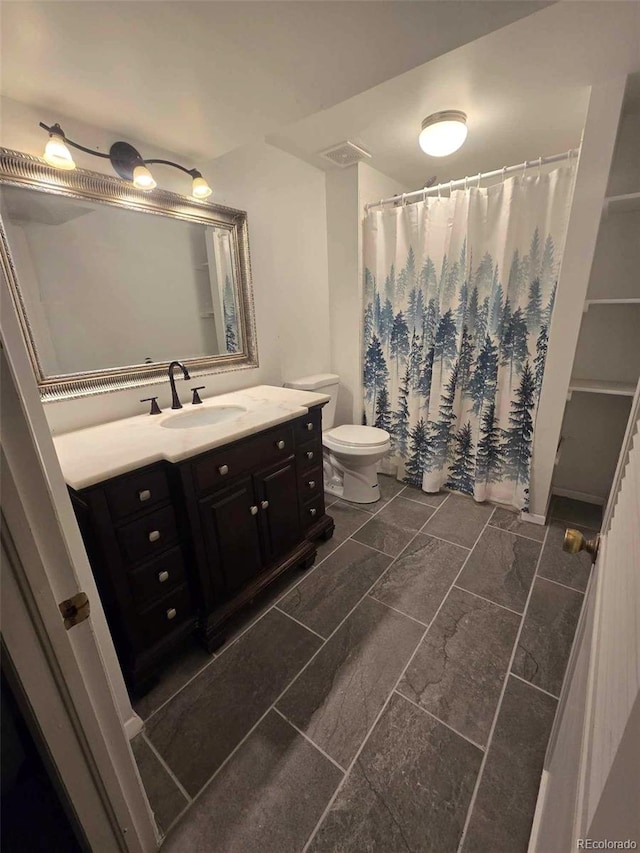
x: 320, y: 383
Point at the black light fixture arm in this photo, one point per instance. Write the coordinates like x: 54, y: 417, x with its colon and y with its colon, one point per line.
x: 122, y: 156
x: 55, y: 128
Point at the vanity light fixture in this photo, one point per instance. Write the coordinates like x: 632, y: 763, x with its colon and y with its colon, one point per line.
x: 124, y: 158
x: 443, y: 133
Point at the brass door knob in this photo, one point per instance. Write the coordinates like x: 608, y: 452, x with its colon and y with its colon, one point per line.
x: 574, y: 542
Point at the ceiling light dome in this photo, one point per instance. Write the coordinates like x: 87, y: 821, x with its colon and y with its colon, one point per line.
x: 443, y: 133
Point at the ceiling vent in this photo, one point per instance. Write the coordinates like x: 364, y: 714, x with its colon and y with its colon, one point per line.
x: 345, y: 154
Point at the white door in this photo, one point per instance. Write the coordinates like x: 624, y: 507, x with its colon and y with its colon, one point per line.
x: 591, y: 782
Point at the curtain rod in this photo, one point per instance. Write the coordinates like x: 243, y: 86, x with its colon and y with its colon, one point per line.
x: 481, y: 176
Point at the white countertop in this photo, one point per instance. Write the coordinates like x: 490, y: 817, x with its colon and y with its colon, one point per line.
x: 89, y: 456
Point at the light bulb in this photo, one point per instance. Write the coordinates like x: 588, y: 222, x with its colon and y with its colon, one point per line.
x: 57, y: 154
x: 142, y: 178
x: 443, y: 133
x: 200, y: 188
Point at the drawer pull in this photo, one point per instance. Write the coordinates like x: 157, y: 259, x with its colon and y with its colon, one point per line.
x: 144, y: 495
x: 154, y: 536
x: 253, y: 510
x: 280, y: 444
x: 309, y: 426
x: 309, y: 454
x: 223, y: 469
x: 163, y: 576
x: 311, y: 484
x: 172, y: 613
x: 264, y: 504
x: 312, y: 512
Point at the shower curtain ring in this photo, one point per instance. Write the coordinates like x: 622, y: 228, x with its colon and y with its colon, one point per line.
x: 479, y: 179
x: 450, y: 188
x: 424, y: 195
x: 540, y: 166
x: 524, y: 170
x: 504, y: 174
x: 466, y: 178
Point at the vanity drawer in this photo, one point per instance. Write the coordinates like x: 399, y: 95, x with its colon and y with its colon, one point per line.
x: 309, y: 455
x: 162, y: 618
x: 312, y: 511
x: 136, y: 492
x: 148, y: 535
x: 309, y: 426
x: 158, y: 577
x: 217, y: 468
x: 310, y: 483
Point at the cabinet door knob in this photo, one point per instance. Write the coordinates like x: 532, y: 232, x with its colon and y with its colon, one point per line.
x: 280, y: 444
x: 264, y: 504
x: 312, y: 512
x: 163, y: 576
x: 311, y: 484
x: 309, y: 454
x: 310, y: 426
x: 253, y: 510
x: 172, y: 613
x: 223, y: 469
x: 144, y: 495
x: 154, y: 536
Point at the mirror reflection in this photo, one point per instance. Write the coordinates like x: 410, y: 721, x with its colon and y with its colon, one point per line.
x: 106, y: 287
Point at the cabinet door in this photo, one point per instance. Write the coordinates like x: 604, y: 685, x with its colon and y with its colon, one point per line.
x: 277, y: 492
x: 230, y: 525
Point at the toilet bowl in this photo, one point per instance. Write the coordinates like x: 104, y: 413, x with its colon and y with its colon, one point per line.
x: 351, y: 456
x: 350, y: 452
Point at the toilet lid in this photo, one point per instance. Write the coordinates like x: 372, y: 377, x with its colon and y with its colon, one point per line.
x: 361, y: 436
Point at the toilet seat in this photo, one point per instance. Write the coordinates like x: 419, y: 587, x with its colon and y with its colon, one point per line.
x: 362, y: 438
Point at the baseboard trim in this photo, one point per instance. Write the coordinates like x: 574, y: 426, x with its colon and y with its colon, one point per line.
x: 533, y: 518
x: 579, y: 496
x: 133, y: 726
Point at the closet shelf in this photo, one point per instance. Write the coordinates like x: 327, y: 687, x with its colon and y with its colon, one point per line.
x: 630, y: 301
x: 622, y: 203
x: 600, y: 386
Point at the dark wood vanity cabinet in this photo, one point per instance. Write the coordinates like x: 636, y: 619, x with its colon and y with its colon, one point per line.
x: 181, y: 547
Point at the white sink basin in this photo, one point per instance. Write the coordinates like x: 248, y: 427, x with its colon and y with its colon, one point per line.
x: 195, y: 418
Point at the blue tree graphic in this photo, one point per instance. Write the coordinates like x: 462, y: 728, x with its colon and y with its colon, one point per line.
x: 445, y: 348
x: 383, y: 410
x: 514, y: 350
x: 533, y: 311
x: 489, y: 454
x: 516, y: 439
x: 386, y: 323
x: 461, y: 471
x: 399, y: 345
x: 465, y: 359
x: 418, y: 455
x: 482, y: 385
x: 415, y: 362
x: 541, y: 356
x: 376, y: 374
x: 496, y: 310
x: 368, y: 322
x: 400, y: 418
x: 431, y: 319
x: 424, y: 387
x: 440, y: 431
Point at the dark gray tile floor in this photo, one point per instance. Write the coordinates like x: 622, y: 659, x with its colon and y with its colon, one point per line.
x: 397, y: 696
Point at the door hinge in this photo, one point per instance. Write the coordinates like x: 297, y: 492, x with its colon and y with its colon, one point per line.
x: 75, y: 609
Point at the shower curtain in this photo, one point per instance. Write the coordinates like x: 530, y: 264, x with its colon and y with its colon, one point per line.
x: 458, y: 296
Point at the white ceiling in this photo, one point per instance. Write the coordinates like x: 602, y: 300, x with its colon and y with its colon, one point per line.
x: 525, y: 90
x: 202, y: 78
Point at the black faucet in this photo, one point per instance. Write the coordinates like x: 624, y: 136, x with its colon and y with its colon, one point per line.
x: 175, y: 402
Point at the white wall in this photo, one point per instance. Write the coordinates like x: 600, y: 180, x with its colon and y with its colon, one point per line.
x: 348, y: 190
x: 285, y: 201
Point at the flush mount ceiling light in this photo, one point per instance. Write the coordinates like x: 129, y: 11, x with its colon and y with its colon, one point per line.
x: 443, y: 133
x: 124, y: 158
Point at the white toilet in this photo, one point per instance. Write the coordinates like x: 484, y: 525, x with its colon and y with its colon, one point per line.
x: 351, y: 453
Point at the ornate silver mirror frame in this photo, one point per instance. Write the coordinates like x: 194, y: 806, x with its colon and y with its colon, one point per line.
x: 23, y: 170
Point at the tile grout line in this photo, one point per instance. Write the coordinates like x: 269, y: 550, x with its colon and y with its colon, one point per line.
x: 395, y: 609
x: 516, y: 533
x: 535, y: 686
x: 394, y: 688
x: 491, y: 601
x: 298, y: 622
x: 494, y: 722
x: 169, y: 771
x: 557, y: 583
x: 255, y: 621
x: 288, y: 685
x: 438, y: 720
x: 308, y: 739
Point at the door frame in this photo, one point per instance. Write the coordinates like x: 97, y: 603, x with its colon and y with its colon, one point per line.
x: 71, y: 678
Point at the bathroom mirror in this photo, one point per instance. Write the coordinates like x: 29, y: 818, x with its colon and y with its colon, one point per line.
x: 112, y: 283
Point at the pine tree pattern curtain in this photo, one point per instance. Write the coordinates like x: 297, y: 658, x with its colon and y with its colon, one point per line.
x: 458, y: 296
